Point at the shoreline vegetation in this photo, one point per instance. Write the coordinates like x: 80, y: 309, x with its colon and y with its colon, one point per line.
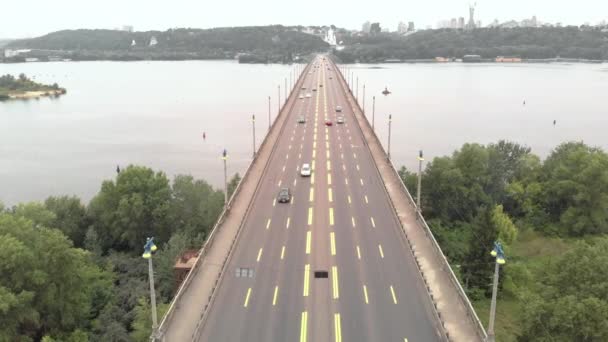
x: 23, y: 88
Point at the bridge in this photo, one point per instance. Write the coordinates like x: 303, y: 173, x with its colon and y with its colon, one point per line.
x: 349, y: 258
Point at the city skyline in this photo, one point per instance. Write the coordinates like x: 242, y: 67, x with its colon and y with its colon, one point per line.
x: 73, y: 14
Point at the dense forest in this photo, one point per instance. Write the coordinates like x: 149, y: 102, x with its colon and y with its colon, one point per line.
x: 275, y: 43
x: 552, y: 218
x: 10, y: 85
x: 532, y: 43
x: 74, y: 273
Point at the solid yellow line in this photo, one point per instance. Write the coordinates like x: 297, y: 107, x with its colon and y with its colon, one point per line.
x: 247, y: 298
x: 365, y: 294
x: 259, y: 255
x: 373, y: 222
x: 358, y: 253
x: 393, y: 293
x: 334, y: 272
x: 381, y: 251
x: 287, y: 224
x: 282, y: 252
x: 310, y: 216
x: 328, y: 164
x: 274, y: 298
x: 332, y: 240
x: 366, y: 201
x: 338, y: 328
x: 311, y: 196
x: 308, y: 236
x: 349, y: 201
x: 329, y: 179
x: 268, y: 224
x: 303, y: 329
x: 331, y: 216
x: 306, y: 279
x: 330, y: 195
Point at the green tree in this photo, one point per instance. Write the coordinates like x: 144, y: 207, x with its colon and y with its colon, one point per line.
x: 70, y: 217
x: 36, y: 212
x: 142, y: 325
x: 135, y: 207
x: 234, y: 182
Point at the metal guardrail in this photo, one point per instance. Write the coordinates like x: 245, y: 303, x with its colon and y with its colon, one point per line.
x: 159, y: 334
x: 446, y: 265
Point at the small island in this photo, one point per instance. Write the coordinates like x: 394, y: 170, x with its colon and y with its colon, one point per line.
x: 24, y: 88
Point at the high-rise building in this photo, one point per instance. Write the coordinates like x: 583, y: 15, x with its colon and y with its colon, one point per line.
x: 411, y: 27
x: 454, y: 23
x: 471, y: 24
x: 127, y: 28
x: 402, y: 27
x: 366, y: 27
x: 478, y: 24
x: 461, y: 22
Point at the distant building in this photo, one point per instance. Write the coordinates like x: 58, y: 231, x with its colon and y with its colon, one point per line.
x: 471, y: 59
x: 442, y: 59
x: 8, y: 53
x: 478, y: 24
x: 127, y: 28
x: 509, y: 24
x: 133, y: 43
x: 411, y: 27
x: 454, y: 23
x: 182, y: 266
x: 32, y: 59
x: 461, y: 22
x: 402, y: 27
x: 502, y: 59
x: 471, y: 24
x: 153, y: 41
x: 366, y: 27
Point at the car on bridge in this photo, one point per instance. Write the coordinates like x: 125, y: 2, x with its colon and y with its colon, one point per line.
x: 301, y: 97
x: 284, y: 196
x: 338, y: 109
x: 306, y: 170
x: 308, y: 95
x: 301, y: 119
x: 340, y: 120
x: 328, y: 122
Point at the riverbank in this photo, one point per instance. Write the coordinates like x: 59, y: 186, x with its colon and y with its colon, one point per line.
x: 23, y: 88
x: 36, y: 94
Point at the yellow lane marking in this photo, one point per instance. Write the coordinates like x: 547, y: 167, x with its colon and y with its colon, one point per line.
x: 259, y: 255
x: 328, y: 164
x: 327, y: 144
x: 268, y: 224
x: 331, y: 216
x: 381, y: 251
x: 337, y: 328
x: 332, y: 239
x: 303, y: 324
x: 361, y: 180
x: 349, y: 201
x: 327, y: 154
x: 299, y: 155
x: 293, y: 199
x: 289, y: 147
x: 404, y: 339
x: 247, y: 297
x: 282, y: 252
x: 310, y: 216
x: 295, y: 181
x: 365, y: 294
x: 280, y: 182
x: 358, y: 253
x: 287, y: 224
x: 330, y: 195
x: 355, y: 155
x: 312, y: 178
x: 314, y: 137
x: 326, y: 136
x: 311, y: 196
x: 306, y: 279
x: 346, y: 181
x: 336, y: 289
x: 274, y: 202
x: 353, y: 221
x: 283, y: 168
x: 274, y: 298
x: 343, y: 167
x: 329, y: 179
x: 314, y: 153
x: 308, y: 237
x: 313, y: 165
x: 366, y: 201
x: 287, y: 156
x: 393, y: 293
x: 314, y: 144
x: 358, y: 167
x: 373, y: 222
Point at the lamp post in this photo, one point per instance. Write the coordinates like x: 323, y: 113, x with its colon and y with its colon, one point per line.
x: 279, y: 98
x: 225, y: 157
x: 363, y: 109
x: 357, y: 90
x: 420, y: 159
x: 390, y: 120
x: 253, y: 127
x: 285, y: 89
x: 499, y: 254
x: 269, y: 120
x: 373, y: 111
x: 150, y: 247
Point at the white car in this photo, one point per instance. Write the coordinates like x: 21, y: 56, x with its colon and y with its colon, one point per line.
x: 301, y: 96
x: 308, y: 95
x: 338, y: 109
x: 305, y: 171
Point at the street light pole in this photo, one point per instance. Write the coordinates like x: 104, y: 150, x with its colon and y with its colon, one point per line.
x: 357, y: 91
x: 419, y: 190
x: 253, y: 126
x: 390, y: 120
x: 269, y: 120
x: 500, y: 260
x: 373, y: 111
x: 363, y: 109
x: 150, y: 247
x: 285, y: 90
x: 225, y: 157
x: 279, y: 92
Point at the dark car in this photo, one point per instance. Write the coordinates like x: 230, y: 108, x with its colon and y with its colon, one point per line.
x: 284, y: 196
x: 328, y: 123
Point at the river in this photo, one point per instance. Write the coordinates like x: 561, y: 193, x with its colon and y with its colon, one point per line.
x: 155, y: 113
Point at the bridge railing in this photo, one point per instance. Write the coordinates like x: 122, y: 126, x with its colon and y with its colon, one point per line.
x: 480, y: 331
x: 165, y: 322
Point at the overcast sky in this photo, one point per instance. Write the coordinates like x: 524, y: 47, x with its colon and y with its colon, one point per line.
x: 29, y: 18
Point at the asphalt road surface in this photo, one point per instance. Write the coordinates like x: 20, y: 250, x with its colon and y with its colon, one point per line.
x: 340, y: 222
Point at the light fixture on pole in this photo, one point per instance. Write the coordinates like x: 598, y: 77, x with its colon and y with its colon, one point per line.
x: 150, y: 247
x: 363, y: 108
x: 269, y: 119
x: 225, y: 157
x: 279, y: 98
x: 373, y: 111
x: 390, y: 121
x: 419, y: 190
x: 499, y: 254
x: 253, y: 127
